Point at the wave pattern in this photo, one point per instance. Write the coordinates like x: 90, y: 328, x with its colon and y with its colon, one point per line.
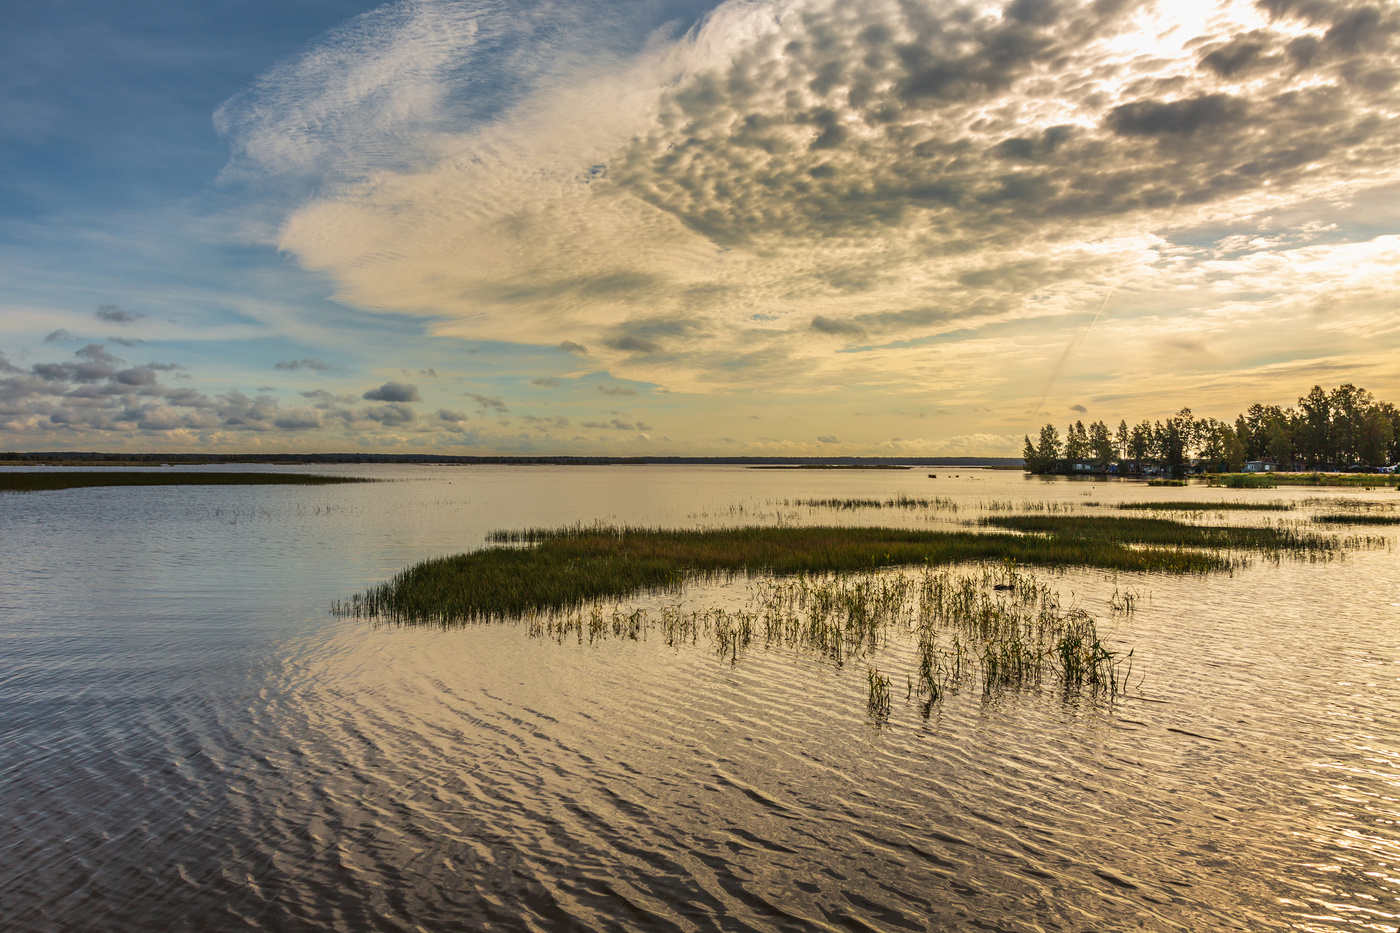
x: 176, y: 760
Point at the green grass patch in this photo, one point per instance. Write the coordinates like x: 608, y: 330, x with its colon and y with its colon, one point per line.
x: 36, y: 482
x: 1358, y: 518
x: 562, y: 569
x: 1162, y: 532
x: 1269, y: 480
x: 1206, y: 506
x: 1166, y: 482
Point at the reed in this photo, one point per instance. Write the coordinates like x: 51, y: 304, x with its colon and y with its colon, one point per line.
x: 560, y: 569
x: 1206, y: 506
x: 997, y: 628
x: 1269, y: 480
x: 896, y: 502
x: 66, y: 479
x: 1161, y: 532
x: 1358, y: 518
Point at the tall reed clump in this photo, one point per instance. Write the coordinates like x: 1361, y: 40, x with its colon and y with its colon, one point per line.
x: 1205, y: 506
x: 997, y: 628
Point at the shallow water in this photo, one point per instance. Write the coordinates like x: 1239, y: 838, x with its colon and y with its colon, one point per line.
x: 188, y: 739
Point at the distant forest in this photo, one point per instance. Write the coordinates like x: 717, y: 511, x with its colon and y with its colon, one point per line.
x: 1325, y: 431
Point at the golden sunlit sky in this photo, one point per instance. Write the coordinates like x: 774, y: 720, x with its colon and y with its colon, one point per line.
x: 867, y: 227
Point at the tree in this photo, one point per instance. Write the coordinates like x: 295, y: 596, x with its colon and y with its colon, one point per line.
x: 1100, y: 444
x: 1047, y: 451
x: 1377, y: 435
x: 1122, y: 439
x: 1140, y: 441
x: 1313, y: 443
x: 1076, y: 442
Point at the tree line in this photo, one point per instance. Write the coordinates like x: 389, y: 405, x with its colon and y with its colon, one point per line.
x: 1324, y: 431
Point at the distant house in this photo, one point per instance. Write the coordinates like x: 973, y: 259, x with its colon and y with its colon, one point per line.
x: 1260, y: 466
x: 1082, y: 466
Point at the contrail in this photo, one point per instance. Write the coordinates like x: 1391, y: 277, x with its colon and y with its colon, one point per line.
x: 1069, y: 349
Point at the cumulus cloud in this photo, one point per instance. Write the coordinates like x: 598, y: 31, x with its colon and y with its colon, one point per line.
x: 957, y: 186
x: 454, y: 417
x: 1079, y: 408
x: 58, y: 336
x: 393, y: 392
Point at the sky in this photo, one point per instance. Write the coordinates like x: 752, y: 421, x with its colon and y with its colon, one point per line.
x: 681, y: 227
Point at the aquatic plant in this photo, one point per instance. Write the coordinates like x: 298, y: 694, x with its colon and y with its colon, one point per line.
x: 1356, y: 518
x: 1197, y: 506
x: 996, y: 627
x: 563, y: 568
x: 1269, y: 539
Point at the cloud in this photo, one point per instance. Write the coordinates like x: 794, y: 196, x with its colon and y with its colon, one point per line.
x: 111, y: 314
x: 454, y: 417
x: 58, y: 336
x: 392, y: 415
x: 491, y: 402
x: 578, y: 349
x: 303, y: 363
x: 547, y: 382
x: 826, y: 325
x: 828, y: 439
x: 1079, y: 408
x: 616, y: 390
x: 393, y: 392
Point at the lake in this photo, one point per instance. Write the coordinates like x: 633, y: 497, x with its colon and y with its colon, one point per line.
x: 190, y: 740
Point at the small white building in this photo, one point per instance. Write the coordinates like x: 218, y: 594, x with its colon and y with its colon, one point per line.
x: 1260, y: 466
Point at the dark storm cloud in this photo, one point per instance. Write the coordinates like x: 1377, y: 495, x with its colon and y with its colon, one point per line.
x: 393, y: 392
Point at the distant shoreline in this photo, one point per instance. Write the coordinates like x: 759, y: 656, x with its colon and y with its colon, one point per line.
x: 91, y: 459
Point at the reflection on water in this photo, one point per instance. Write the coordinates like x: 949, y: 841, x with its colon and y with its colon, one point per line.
x: 189, y: 741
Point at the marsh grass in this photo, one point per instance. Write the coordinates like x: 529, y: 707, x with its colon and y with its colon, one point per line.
x: 1206, y: 506
x: 1269, y: 480
x: 897, y: 502
x: 1272, y: 540
x: 1166, y: 482
x: 1358, y: 518
x: 36, y: 481
x: 996, y: 628
x: 561, y: 569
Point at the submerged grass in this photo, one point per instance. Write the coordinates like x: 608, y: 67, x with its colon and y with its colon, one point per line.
x: 997, y: 628
x: 1206, y: 506
x: 561, y: 569
x: 36, y: 482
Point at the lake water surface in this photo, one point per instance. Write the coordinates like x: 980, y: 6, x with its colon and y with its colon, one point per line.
x: 189, y: 740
